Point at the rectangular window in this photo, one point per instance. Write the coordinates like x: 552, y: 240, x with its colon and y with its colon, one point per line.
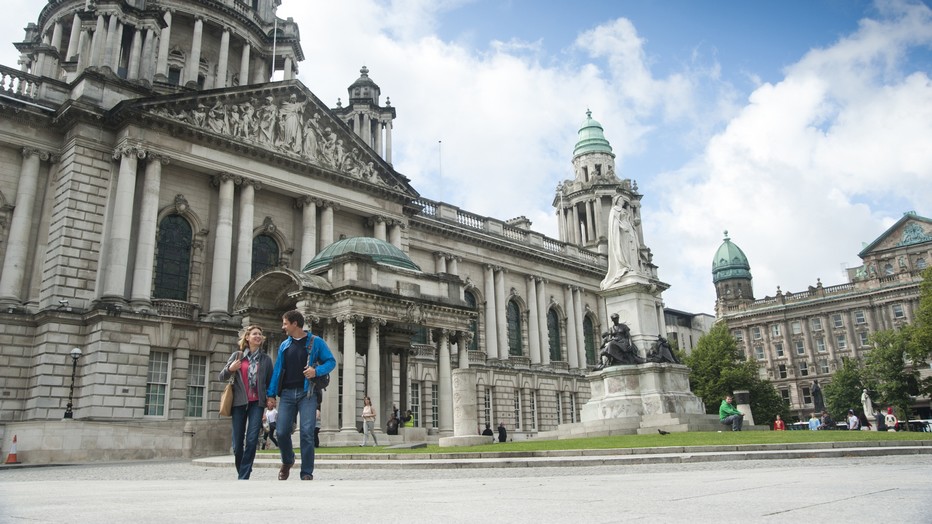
x: 573, y: 412
x: 859, y: 317
x: 738, y: 334
x: 800, y: 347
x: 778, y: 348
x: 755, y: 333
x: 823, y: 367
x: 796, y: 327
x: 156, y: 383
x: 816, y: 324
x: 775, y: 330
x: 785, y: 395
x: 517, y: 410
x: 841, y: 342
x: 434, y: 406
x: 837, y: 321
x: 898, y: 312
x: 759, y: 352
x: 534, y: 409
x: 781, y: 370
x: 804, y: 369
x: 864, y: 336
x: 416, y: 403
x: 807, y: 396
x: 488, y: 406
x: 197, y: 385
x: 820, y: 345
x: 559, y: 407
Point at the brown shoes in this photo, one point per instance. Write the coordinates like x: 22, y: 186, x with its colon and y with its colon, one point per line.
x: 307, y: 477
x: 284, y: 471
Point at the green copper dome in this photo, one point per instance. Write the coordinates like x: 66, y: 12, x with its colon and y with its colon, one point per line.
x: 591, y: 138
x: 379, y: 250
x: 730, y: 262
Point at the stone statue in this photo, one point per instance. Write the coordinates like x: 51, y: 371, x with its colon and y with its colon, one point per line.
x: 867, y: 405
x: 290, y: 114
x: 817, y: 401
x: 268, y: 120
x: 617, y: 347
x: 661, y: 352
x: 623, y: 245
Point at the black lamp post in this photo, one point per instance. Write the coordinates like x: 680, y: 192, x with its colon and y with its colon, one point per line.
x: 75, y: 355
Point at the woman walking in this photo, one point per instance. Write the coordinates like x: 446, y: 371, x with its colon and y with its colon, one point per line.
x: 368, y: 422
x: 251, y: 370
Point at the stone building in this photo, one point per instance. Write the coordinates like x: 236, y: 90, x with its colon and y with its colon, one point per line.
x: 802, y: 337
x: 157, y: 193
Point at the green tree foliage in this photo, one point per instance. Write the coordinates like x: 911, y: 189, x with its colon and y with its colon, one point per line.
x: 844, y: 391
x: 718, y: 368
x: 887, y: 368
x: 921, y: 348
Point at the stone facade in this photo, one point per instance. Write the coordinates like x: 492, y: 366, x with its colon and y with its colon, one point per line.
x: 157, y: 193
x: 802, y: 337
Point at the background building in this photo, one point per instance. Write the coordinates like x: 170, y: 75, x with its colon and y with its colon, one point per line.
x: 802, y: 337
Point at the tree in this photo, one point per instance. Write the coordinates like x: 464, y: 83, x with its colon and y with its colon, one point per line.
x: 888, y: 368
x: 920, y: 351
x: 844, y: 391
x: 718, y: 368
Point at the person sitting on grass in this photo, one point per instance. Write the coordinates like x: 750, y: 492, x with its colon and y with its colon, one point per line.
x: 728, y: 414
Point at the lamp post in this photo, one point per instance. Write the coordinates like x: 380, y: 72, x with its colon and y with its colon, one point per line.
x: 75, y: 355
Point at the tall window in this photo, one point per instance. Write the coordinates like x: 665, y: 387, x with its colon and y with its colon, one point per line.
x: 775, y: 330
x: 863, y: 336
x: 898, y: 312
x: 759, y: 352
x: 807, y: 396
x: 173, y: 261
x: 778, y: 348
x: 589, y: 338
x: 574, y: 413
x: 800, y: 347
x: 781, y: 371
x: 264, y: 253
x: 517, y: 410
x: 553, y: 335
x: 785, y: 395
x: 823, y: 366
x: 817, y: 324
x: 859, y: 317
x: 820, y: 345
x: 513, y: 315
x: 796, y: 327
x: 533, y: 408
x: 488, y: 406
x: 559, y: 407
x: 416, y: 403
x: 738, y: 334
x: 156, y: 383
x: 434, y: 406
x: 804, y: 369
x: 473, y: 324
x: 837, y: 321
x: 755, y: 333
x: 197, y: 382
x: 841, y: 342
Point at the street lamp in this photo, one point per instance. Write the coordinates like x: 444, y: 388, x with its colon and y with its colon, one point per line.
x: 75, y: 355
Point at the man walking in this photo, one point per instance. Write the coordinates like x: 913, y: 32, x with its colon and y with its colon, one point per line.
x: 729, y: 414
x: 301, y: 357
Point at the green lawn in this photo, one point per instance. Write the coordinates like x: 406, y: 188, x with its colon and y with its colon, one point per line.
x: 651, y: 441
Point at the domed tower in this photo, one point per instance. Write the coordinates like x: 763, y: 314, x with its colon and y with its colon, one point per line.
x: 364, y: 115
x: 731, y: 273
x: 163, y: 45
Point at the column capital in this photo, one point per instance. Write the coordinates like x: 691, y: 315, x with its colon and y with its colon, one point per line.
x: 243, y: 181
x: 465, y: 336
x: 161, y: 158
x: 222, y: 177
x: 300, y: 202
x: 44, y: 156
x: 350, y: 318
x: 375, y: 219
x: 377, y: 321
x: 129, y: 150
x: 488, y: 267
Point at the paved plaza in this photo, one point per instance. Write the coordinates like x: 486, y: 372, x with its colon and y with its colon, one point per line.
x: 822, y: 489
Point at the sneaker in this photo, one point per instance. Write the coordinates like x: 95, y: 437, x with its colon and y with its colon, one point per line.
x: 307, y: 477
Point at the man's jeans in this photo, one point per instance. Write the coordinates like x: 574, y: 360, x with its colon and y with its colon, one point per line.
x: 247, y: 420
x: 734, y: 420
x: 292, y: 403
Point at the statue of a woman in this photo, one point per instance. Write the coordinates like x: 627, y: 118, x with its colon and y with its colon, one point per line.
x: 623, y: 245
x: 867, y: 404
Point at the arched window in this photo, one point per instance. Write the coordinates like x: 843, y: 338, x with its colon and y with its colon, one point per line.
x: 513, y: 315
x: 589, y: 338
x: 264, y: 253
x: 921, y: 263
x: 173, y: 258
x: 888, y: 269
x: 473, y: 325
x: 553, y: 335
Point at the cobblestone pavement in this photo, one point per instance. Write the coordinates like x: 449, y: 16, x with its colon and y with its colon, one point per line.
x: 742, y: 491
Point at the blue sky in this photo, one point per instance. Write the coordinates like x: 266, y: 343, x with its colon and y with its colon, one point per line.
x: 801, y: 127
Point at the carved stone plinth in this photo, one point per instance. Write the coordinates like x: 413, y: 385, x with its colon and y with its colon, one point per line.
x: 640, y: 390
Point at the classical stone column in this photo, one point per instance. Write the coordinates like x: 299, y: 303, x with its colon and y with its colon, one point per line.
x: 148, y: 227
x: 17, y: 249
x: 440, y: 263
x: 112, y: 37
x: 330, y: 411
x: 135, y: 53
x: 572, y: 352
x: 577, y: 233
x: 453, y: 265
x: 308, y: 229
x: 121, y: 223
x: 98, y: 42
x: 388, y: 142
x: 194, y: 59
x: 395, y: 235
x: 491, y: 331
x: 599, y: 226
x: 533, y: 320
x: 500, y: 314
x: 161, y: 68
x: 349, y: 374
x: 84, y: 51
x: 75, y: 38
x: 542, y: 321
x: 247, y: 196
x: 462, y: 342
x: 224, y: 58
x: 445, y: 386
x: 326, y: 225
x: 380, y: 126
x: 56, y: 35
x: 148, y: 48
x: 379, y: 228
x: 289, y: 68
x: 223, y: 243
x: 374, y: 371
x: 244, y: 65
x: 590, y: 219
x: 580, y: 335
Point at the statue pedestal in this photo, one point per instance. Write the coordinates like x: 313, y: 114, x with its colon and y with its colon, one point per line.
x: 641, y: 390
x: 638, y: 304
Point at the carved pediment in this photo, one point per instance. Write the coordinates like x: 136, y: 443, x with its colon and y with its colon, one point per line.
x: 910, y: 230
x: 288, y: 121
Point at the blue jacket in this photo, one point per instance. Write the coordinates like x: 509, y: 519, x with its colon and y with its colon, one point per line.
x: 319, y: 353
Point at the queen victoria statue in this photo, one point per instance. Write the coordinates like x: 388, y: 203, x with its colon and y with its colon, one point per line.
x: 623, y: 245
